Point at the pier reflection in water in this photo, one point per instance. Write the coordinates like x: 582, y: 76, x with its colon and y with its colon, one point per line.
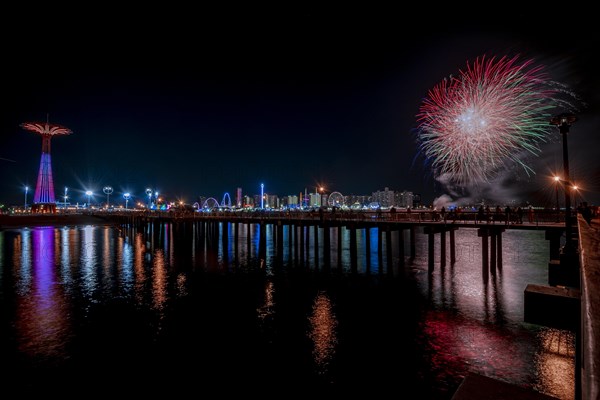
x: 157, y: 298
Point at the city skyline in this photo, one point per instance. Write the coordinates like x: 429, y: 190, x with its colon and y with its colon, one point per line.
x: 303, y: 100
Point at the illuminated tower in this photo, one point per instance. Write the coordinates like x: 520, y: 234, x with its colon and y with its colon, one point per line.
x: 43, y: 200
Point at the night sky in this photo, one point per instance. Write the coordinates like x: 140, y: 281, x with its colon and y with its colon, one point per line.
x: 198, y: 103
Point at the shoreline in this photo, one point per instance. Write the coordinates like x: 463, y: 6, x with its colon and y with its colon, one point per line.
x: 55, y: 220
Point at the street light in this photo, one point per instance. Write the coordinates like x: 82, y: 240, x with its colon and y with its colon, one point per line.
x: 575, y: 189
x: 26, y: 190
x: 65, y: 198
x: 126, y: 196
x: 149, y: 194
x: 107, y: 191
x: 556, y: 182
x: 564, y: 122
x: 89, y: 195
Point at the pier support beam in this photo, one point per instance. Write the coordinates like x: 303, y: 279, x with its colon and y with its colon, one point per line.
x: 368, y: 247
x: 326, y: 245
x: 353, y: 250
x: 389, y: 249
x: 401, y: 246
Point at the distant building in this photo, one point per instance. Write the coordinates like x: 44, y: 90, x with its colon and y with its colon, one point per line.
x: 292, y: 201
x: 404, y: 199
x: 248, y: 201
x: 385, y: 198
x: 238, y: 198
x: 271, y: 201
x: 315, y: 200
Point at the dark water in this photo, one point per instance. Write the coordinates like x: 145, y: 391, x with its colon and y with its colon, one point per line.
x: 104, y: 307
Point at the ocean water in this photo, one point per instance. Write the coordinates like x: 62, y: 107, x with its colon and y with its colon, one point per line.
x: 194, y: 309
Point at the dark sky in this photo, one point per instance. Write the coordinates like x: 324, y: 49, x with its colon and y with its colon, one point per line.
x: 197, y: 103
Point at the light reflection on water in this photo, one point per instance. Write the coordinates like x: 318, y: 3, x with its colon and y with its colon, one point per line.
x: 323, y: 331
x: 56, y: 277
x: 42, y: 326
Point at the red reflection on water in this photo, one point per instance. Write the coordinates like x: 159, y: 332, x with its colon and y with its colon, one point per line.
x: 42, y: 324
x: 455, y: 346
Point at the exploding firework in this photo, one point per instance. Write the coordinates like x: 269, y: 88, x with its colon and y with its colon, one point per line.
x: 491, y: 115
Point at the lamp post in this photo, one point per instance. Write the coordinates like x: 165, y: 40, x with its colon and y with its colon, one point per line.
x: 556, y: 183
x: 26, y: 190
x: 149, y: 194
x: 564, y: 122
x: 126, y: 196
x: 107, y: 191
x: 89, y: 194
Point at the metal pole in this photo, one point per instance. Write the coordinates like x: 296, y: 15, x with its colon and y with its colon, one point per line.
x: 557, y: 204
x: 563, y: 122
x: 564, y: 129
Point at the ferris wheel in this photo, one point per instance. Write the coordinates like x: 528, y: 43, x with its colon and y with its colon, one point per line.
x: 335, y: 199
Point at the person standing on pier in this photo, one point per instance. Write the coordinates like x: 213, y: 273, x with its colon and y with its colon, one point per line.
x: 480, y: 215
x: 498, y: 216
x: 507, y: 212
x: 530, y: 214
x: 519, y: 215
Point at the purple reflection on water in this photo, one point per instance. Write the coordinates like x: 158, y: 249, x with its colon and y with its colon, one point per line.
x: 42, y: 324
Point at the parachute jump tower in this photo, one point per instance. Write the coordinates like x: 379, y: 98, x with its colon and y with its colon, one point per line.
x: 44, y: 200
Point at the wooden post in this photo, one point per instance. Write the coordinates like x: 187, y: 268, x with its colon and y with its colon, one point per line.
x: 236, y: 236
x: 301, y: 243
x: 262, y: 242
x: 499, y: 248
x: 379, y: 249
x: 431, y: 251
x: 493, y: 258
x: 443, y: 248
x: 316, y: 246
x: 326, y: 245
x: 289, y: 243
x: 353, y: 253
x: 296, y: 228
x: 483, y: 233
x: 452, y: 247
x: 368, y: 247
x: 401, y: 246
x: 225, y: 241
x: 339, y: 246
x: 412, y: 242
x: 389, y: 249
x: 279, y: 242
x: 248, y: 239
x: 307, y: 243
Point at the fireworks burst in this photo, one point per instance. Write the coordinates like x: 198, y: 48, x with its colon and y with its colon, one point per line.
x: 486, y: 118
